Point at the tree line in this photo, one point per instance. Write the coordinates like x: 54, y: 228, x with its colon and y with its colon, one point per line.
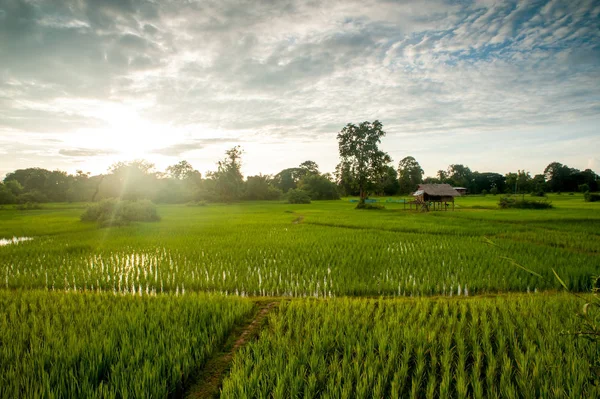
x: 363, y: 170
x: 179, y: 183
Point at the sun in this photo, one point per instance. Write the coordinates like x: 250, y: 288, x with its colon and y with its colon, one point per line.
x: 124, y: 133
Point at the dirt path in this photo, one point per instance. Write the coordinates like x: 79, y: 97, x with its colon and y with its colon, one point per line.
x: 208, y: 382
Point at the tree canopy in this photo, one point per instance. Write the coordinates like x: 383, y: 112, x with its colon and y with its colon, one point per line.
x: 363, y: 169
x: 359, y: 150
x: 410, y: 175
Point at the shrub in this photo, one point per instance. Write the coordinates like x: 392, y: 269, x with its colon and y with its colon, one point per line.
x: 583, y: 188
x: 591, y: 197
x: 319, y: 187
x: 297, y: 196
x: 28, y: 206
x: 6, y: 196
x: 32, y: 196
x: 494, y: 190
x: 273, y: 193
x: 197, y: 203
x: 370, y: 207
x: 484, y: 192
x: 508, y: 202
x: 115, y: 213
x: 538, y: 194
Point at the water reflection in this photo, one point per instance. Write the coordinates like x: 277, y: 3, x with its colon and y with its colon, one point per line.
x: 14, y: 240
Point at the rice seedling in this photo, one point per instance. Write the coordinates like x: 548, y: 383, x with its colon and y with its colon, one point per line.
x: 483, y: 347
x: 102, y: 345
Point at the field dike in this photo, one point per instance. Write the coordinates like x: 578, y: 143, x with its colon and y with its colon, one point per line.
x: 208, y: 382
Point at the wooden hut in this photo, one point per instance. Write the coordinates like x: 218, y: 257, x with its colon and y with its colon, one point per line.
x: 434, y: 197
x: 461, y: 190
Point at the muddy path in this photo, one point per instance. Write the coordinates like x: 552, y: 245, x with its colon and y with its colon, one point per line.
x: 208, y: 382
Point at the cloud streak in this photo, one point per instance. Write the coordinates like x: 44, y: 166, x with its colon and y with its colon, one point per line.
x: 83, y: 152
x: 178, y: 149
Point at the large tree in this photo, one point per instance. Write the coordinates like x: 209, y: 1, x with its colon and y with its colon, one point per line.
x: 359, y: 148
x: 130, y: 180
x: 319, y: 187
x: 410, y: 175
x: 289, y: 178
x: 487, y: 181
x: 459, y: 175
x: 344, y: 178
x: 181, y: 170
x: 229, y: 181
x: 309, y: 167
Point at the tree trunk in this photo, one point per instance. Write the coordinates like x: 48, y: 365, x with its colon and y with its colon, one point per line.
x: 363, y: 196
x: 97, y: 189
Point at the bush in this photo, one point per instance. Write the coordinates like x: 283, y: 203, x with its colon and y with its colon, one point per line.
x: 538, y: 194
x: 6, y: 196
x: 583, y: 188
x: 32, y: 196
x: 115, y: 213
x: 484, y: 192
x: 508, y: 202
x: 28, y: 206
x: 591, y: 197
x: 197, y: 203
x: 494, y: 190
x: 370, y: 207
x: 297, y: 196
x: 319, y: 187
x: 273, y: 193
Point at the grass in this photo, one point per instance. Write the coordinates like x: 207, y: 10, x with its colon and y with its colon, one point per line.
x: 320, y: 249
x: 113, y: 346
x: 486, y: 347
x: 131, y: 309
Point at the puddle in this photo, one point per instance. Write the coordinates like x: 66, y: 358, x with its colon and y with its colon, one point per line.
x: 14, y: 240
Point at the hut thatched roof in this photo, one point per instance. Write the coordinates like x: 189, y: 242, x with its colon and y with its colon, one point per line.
x: 438, y: 190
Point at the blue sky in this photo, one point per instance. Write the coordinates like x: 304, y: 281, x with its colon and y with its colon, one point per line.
x: 497, y: 86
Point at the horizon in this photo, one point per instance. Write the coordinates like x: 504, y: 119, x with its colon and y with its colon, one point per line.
x: 495, y: 86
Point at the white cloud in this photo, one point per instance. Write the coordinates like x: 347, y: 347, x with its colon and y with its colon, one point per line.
x: 169, y: 75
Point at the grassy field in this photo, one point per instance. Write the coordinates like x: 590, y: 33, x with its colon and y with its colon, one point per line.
x: 507, y: 347
x: 105, y: 346
x: 321, y: 249
x: 141, y: 307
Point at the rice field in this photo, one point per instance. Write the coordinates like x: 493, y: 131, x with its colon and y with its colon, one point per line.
x: 319, y: 250
x: 104, y: 346
x: 372, y: 303
x: 505, y: 347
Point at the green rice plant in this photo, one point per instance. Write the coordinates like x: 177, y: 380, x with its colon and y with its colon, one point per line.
x: 256, y: 249
x: 476, y: 347
x: 104, y: 345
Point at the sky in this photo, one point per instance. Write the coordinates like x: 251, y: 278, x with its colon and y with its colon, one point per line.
x: 497, y: 86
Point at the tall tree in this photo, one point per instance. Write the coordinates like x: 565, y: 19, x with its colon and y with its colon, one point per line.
x: 259, y: 188
x: 344, y: 178
x: 557, y: 176
x: 359, y: 147
x: 181, y: 170
x: 442, y: 176
x: 130, y: 180
x: 486, y: 181
x: 287, y: 179
x: 229, y: 181
x: 319, y: 187
x: 309, y: 167
x: 459, y: 175
x: 389, y: 182
x: 410, y: 175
